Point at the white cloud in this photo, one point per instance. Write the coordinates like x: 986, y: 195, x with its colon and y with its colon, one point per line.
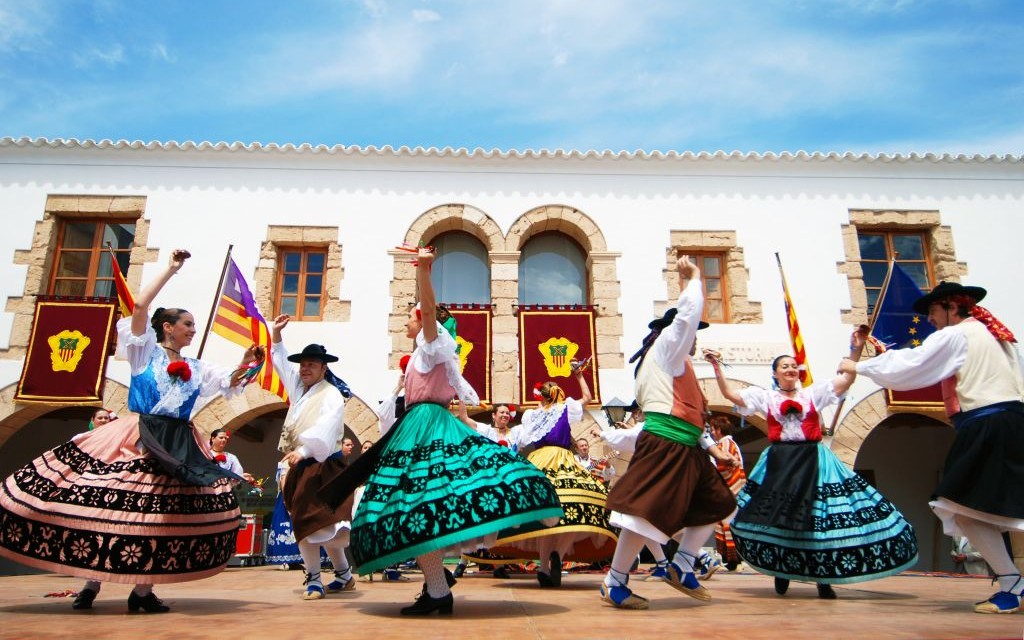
x: 426, y: 15
x: 23, y: 24
x: 159, y: 51
x: 111, y: 56
x: 376, y: 8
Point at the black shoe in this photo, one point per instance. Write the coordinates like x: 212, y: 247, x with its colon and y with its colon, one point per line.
x: 84, y: 599
x: 781, y: 586
x: 149, y: 604
x: 460, y: 570
x: 556, y: 570
x: 732, y: 565
x: 825, y: 592
x: 425, y: 605
x: 545, y: 580
x: 501, y: 573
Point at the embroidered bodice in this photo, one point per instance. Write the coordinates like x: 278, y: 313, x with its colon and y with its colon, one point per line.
x: 551, y: 427
x: 793, y: 419
x: 155, y: 391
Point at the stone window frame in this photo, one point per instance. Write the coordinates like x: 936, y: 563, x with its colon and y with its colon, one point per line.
x: 39, y: 258
x: 741, y: 310
x: 302, y: 237
x: 503, y: 252
x: 942, y: 255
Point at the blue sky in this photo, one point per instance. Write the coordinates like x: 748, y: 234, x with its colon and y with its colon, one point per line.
x: 750, y: 75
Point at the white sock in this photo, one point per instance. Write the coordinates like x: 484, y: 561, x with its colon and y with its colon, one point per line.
x: 690, y: 545
x: 544, y: 548
x: 626, y: 551
x: 310, y: 553
x: 656, y: 551
x: 988, y: 540
x: 432, y: 566
x: 336, y: 552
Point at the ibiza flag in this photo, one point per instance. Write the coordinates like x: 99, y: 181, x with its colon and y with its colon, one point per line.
x: 898, y: 326
x: 239, y: 320
x: 550, y: 338
x: 473, y: 335
x: 66, y: 358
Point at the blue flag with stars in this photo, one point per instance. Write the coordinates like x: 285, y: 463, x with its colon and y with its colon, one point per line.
x: 897, y: 325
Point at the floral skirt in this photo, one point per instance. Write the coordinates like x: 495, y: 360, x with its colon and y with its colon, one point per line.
x: 581, y: 535
x: 438, y: 485
x: 101, y: 508
x: 848, y: 533
x: 281, y: 545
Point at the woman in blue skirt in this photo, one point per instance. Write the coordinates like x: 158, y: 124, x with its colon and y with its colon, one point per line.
x: 802, y: 514
x: 433, y: 485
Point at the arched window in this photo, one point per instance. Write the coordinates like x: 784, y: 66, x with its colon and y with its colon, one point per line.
x: 552, y: 270
x: 460, y: 273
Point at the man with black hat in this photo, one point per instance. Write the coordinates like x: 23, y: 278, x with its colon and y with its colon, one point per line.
x: 973, y: 355
x: 309, y: 440
x: 670, y: 489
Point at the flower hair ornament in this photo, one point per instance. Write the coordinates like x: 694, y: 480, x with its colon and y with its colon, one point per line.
x: 180, y: 370
x: 536, y: 391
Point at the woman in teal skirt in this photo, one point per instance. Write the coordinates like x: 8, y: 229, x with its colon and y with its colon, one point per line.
x: 433, y: 485
x: 802, y: 514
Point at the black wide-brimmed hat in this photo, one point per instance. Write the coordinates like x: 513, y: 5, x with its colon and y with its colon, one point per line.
x: 945, y: 290
x: 313, y: 352
x: 665, y: 320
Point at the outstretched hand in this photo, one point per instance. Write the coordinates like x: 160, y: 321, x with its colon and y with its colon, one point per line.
x: 254, y: 353
x: 686, y: 268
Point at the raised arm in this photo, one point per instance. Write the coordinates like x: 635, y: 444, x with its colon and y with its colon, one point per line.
x: 730, y: 392
x: 140, y: 315
x: 428, y: 303
x: 587, y: 396
x: 845, y: 377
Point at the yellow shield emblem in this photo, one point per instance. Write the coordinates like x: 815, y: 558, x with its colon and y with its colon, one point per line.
x: 66, y: 349
x: 557, y: 354
x: 463, y: 351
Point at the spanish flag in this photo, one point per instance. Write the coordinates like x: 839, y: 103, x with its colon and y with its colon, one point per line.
x: 794, y: 332
x: 240, y: 321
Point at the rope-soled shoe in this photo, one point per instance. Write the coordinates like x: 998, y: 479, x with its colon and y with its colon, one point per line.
x: 621, y: 597
x: 338, y: 585
x: 686, y: 583
x: 1001, y: 602
x: 314, y: 588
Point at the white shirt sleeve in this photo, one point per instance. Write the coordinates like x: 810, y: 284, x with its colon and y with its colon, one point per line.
x: 756, y: 400
x: 285, y: 370
x: 623, y: 440
x: 672, y: 347
x: 387, y: 413
x: 137, y: 349
x: 940, y: 356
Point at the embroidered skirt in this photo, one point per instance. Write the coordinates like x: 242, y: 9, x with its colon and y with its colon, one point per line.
x: 438, y: 485
x: 583, y: 533
x: 101, y: 508
x: 804, y: 516
x: 281, y: 545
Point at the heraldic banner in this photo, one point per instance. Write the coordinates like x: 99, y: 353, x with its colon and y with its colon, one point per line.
x: 473, y: 335
x: 550, y: 337
x: 67, y: 351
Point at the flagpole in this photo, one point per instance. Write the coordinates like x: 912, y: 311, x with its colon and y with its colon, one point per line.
x: 855, y: 355
x: 216, y: 301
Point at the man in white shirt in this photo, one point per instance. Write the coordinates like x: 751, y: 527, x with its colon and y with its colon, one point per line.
x: 309, y: 441
x: 974, y: 356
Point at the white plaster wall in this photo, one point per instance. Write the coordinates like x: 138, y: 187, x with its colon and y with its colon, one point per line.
x: 204, y: 200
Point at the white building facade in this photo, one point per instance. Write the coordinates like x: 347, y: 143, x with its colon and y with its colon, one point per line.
x: 314, y: 231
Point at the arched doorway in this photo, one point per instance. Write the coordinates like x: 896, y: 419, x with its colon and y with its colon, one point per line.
x: 903, y: 458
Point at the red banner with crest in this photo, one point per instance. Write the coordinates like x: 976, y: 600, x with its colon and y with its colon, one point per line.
x: 67, y: 352
x: 550, y: 338
x: 473, y: 335
x: 927, y: 400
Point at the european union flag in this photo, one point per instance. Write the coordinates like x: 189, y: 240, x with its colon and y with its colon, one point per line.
x: 897, y: 325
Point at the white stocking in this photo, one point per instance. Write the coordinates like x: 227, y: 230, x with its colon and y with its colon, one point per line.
x: 432, y: 566
x: 630, y: 544
x: 988, y: 540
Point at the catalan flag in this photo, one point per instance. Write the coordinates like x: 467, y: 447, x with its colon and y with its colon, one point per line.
x: 125, y: 299
x: 239, y: 320
x: 794, y: 332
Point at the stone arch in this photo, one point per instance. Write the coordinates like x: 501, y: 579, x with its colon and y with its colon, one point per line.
x: 859, y: 422
x: 718, y: 402
x: 429, y: 225
x: 572, y: 222
x: 14, y: 416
